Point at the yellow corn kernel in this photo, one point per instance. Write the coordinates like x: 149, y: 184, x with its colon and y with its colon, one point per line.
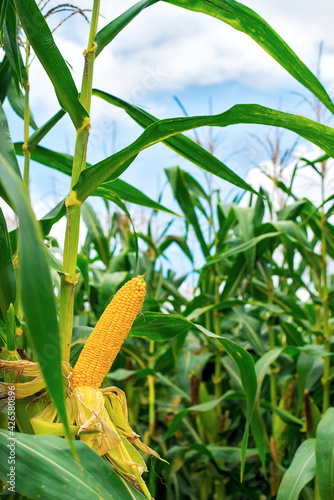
x: 109, y: 334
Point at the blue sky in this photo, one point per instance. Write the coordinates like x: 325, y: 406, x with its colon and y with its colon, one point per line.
x: 169, y: 52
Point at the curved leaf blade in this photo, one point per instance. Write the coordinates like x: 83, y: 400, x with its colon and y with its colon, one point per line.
x: 36, y: 285
x: 16, y: 101
x: 46, y: 469
x: 7, y: 274
x: 5, y: 78
x: 300, y: 472
x: 246, y: 368
x: 247, y: 21
x: 95, y: 232
x: 324, y: 448
x: 109, y: 32
x: 11, y: 46
x: 181, y: 144
x: 182, y: 194
x: 41, y: 132
x: 113, y: 166
x: 109, y: 190
x: 41, y: 40
x: 159, y: 327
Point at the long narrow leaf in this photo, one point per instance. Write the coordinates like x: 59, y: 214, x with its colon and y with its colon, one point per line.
x: 7, y: 274
x: 16, y: 101
x: 11, y: 46
x: 247, y: 21
x: 113, y: 191
x: 246, y: 368
x: 95, y: 232
x: 5, y: 78
x: 181, y: 193
x: 36, y: 285
x: 109, y: 32
x: 325, y: 456
x: 113, y: 166
x: 41, y: 132
x: 300, y: 472
x: 181, y: 144
x: 45, y: 469
x: 41, y: 40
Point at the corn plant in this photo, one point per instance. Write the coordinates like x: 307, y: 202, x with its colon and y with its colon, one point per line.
x: 207, y: 359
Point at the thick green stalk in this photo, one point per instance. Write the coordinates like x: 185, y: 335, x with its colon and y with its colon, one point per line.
x: 73, y: 208
x: 26, y: 123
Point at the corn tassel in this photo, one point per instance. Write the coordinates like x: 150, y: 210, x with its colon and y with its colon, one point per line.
x: 109, y: 334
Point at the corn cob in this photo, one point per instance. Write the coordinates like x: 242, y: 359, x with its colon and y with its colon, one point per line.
x: 109, y: 334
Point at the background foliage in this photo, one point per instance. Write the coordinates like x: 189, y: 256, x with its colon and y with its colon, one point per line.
x: 232, y: 382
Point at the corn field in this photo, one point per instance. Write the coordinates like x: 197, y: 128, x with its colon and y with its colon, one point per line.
x: 115, y: 384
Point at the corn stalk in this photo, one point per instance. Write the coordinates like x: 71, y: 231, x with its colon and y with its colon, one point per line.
x: 73, y: 207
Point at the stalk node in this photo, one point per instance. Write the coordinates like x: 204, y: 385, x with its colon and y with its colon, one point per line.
x: 91, y: 51
x: 68, y: 278
x: 85, y: 125
x: 72, y: 200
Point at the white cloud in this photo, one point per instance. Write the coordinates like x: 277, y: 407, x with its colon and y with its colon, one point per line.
x: 168, y: 49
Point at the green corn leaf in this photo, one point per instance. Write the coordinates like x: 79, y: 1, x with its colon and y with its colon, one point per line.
x: 301, y: 471
x: 11, y: 329
x: 7, y: 274
x: 181, y: 144
x: 114, y: 191
x: 248, y: 379
x: 244, y: 247
x: 45, y: 469
x: 5, y: 78
x: 41, y: 40
x: 181, y: 241
x: 245, y: 217
x: 36, y: 285
x: 236, y: 274
x: 221, y: 306
x: 230, y: 453
x: 16, y: 101
x: 3, y: 9
x: 251, y: 328
x: 203, y: 407
x: 41, y: 132
x: 113, y: 166
x: 324, y: 455
x: 45, y: 223
x: 11, y: 46
x: 247, y: 21
x: 258, y: 427
x: 109, y: 32
x: 95, y: 233
x: 184, y: 199
x: 130, y: 194
x: 6, y: 145
x: 159, y: 327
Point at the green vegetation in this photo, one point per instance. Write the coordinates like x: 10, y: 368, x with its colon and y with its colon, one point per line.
x: 231, y: 385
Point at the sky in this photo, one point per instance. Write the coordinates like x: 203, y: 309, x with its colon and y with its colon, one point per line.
x: 166, y: 52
